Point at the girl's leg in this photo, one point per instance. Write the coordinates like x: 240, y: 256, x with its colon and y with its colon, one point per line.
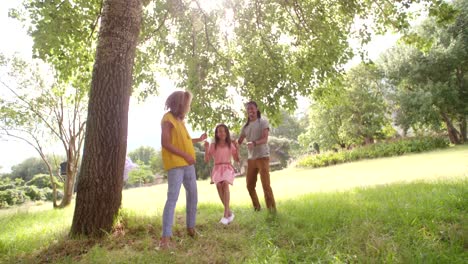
x: 219, y: 187
x: 226, y: 194
x: 174, y: 180
x: 190, y: 184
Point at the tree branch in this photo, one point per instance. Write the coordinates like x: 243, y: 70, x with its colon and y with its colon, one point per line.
x: 96, y: 21
x: 31, y: 107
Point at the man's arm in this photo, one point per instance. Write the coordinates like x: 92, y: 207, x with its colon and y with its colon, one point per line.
x: 263, y: 139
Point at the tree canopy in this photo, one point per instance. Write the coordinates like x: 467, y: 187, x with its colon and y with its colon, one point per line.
x: 268, y: 51
x: 428, y: 72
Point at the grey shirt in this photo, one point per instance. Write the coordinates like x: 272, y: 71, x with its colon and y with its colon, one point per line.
x: 252, y: 132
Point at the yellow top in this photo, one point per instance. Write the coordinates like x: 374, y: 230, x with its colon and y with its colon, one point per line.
x: 181, y: 139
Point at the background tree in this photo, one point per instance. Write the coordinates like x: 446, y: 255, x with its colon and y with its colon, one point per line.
x: 99, y: 194
x: 157, y: 166
x: 41, y: 111
x: 430, y: 75
x: 367, y: 110
x: 144, y: 154
x: 289, y: 127
x: 270, y: 51
x: 140, y: 175
x: 349, y: 110
x: 28, y: 168
x: 324, y: 127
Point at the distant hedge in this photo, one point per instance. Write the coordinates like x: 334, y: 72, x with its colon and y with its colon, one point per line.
x: 378, y: 150
x: 17, y: 192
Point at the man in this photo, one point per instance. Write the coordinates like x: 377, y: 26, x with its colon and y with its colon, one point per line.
x: 256, y: 132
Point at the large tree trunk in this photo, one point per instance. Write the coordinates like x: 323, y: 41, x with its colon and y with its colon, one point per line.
x: 452, y: 131
x: 99, y: 192
x: 463, y: 94
x: 463, y: 129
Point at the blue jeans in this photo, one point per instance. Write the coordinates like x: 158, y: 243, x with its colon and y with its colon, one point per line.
x: 177, y: 176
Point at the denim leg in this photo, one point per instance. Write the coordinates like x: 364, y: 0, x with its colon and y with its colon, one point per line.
x: 190, y: 184
x: 174, y: 181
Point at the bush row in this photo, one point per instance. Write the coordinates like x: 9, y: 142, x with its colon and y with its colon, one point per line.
x: 13, y: 192
x: 384, y: 149
x: 24, y: 194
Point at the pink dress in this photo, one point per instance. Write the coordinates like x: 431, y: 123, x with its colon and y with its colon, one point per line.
x: 223, y: 169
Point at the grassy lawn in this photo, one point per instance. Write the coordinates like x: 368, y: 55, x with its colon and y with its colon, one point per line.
x: 409, y: 209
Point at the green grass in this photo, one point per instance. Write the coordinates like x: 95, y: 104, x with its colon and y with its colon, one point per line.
x: 409, y: 209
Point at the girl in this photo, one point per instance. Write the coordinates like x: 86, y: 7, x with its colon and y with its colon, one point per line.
x: 223, y: 173
x: 178, y: 156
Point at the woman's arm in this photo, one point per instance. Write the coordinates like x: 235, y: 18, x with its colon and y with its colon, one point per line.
x: 200, y: 139
x: 166, y: 139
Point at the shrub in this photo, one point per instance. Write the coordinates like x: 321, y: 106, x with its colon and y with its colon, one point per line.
x: 12, y: 197
x: 48, y: 193
x: 7, y: 186
x: 384, y: 149
x: 140, y: 175
x: 43, y: 181
x: 34, y: 193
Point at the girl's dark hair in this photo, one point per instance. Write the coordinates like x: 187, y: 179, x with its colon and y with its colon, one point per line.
x: 258, y: 112
x: 228, y: 136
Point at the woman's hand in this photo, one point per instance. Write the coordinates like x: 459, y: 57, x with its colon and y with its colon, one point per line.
x: 189, y: 159
x: 207, y: 145
x: 203, y: 137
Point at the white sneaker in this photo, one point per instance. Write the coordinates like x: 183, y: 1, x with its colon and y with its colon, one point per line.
x: 231, y: 218
x: 224, y: 221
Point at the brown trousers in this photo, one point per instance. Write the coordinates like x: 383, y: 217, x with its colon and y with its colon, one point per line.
x: 255, y: 166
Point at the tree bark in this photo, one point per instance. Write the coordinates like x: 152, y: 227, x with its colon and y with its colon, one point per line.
x: 463, y: 128
x: 70, y: 177
x: 452, y: 131
x: 99, y: 192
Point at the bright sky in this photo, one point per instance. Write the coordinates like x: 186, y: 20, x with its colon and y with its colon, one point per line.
x: 144, y: 118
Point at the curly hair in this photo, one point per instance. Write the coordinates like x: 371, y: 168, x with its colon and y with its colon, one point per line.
x: 178, y: 103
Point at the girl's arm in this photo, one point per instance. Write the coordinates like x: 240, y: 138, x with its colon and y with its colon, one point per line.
x: 166, y: 139
x: 235, y: 153
x: 207, y: 150
x: 236, y: 156
x: 241, y: 139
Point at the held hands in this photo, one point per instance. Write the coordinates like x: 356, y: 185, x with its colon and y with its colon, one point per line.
x: 203, y: 137
x: 250, y: 145
x: 235, y: 143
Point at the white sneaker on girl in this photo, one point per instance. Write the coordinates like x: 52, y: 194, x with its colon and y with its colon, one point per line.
x: 224, y: 221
